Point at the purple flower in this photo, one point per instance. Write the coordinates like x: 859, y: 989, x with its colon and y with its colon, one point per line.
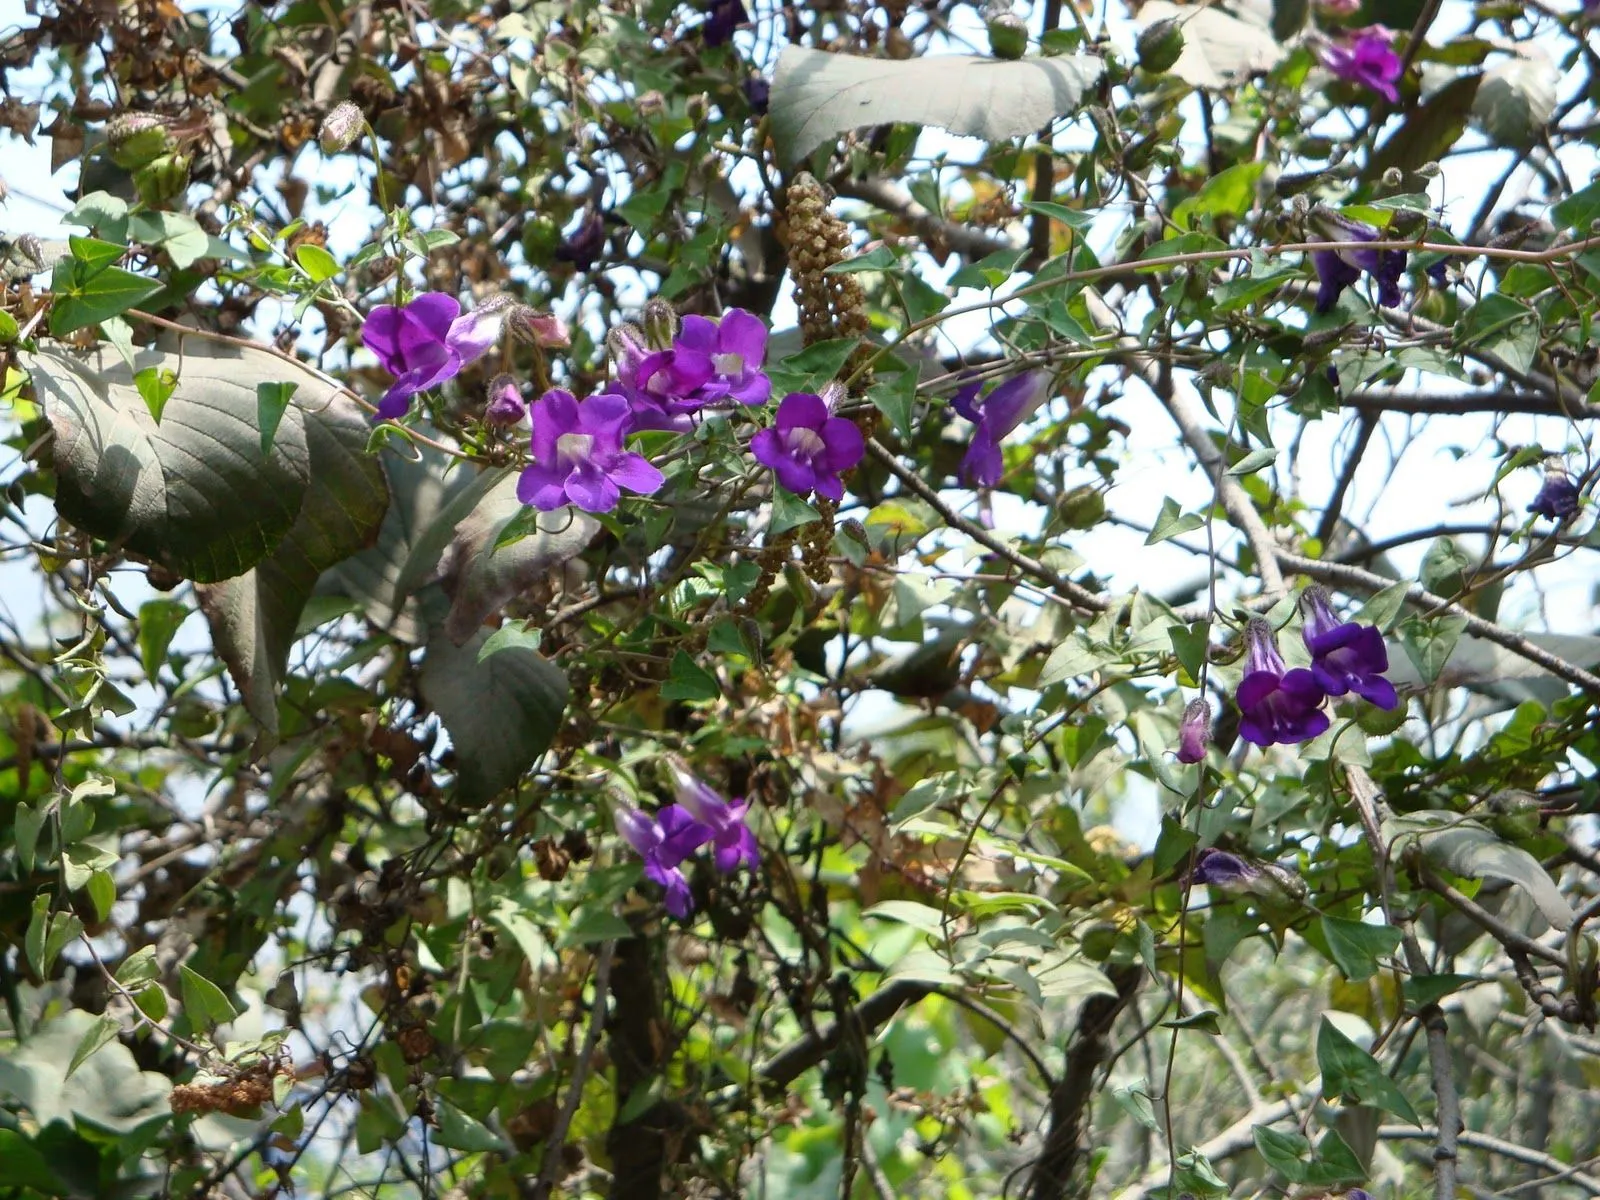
x: 730, y: 836
x: 663, y: 842
x: 708, y: 361
x: 1346, y: 657
x: 425, y: 343
x: 1194, y: 732
x: 758, y: 93
x: 1367, y: 58
x: 1558, y: 495
x: 726, y: 16
x: 506, y: 406
x: 1339, y: 269
x: 585, y: 244
x: 808, y: 447
x: 1218, y: 868
x: 995, y: 416
x: 578, y: 456
x: 1276, y: 705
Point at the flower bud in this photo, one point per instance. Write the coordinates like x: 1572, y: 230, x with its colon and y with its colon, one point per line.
x: 136, y: 139
x: 1008, y: 36
x: 652, y: 104
x: 660, y: 323
x: 505, y: 406
x: 758, y: 94
x: 627, y: 347
x: 1194, y: 732
x: 544, y: 330
x: 341, y: 128
x: 162, y: 179
x: 1160, y: 46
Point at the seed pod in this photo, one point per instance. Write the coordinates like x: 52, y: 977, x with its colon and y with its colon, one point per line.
x: 340, y: 128
x: 1160, y: 45
x: 1008, y: 36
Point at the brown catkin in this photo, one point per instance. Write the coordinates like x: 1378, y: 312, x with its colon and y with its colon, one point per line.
x: 831, y: 306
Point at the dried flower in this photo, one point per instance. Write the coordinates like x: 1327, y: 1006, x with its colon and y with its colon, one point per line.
x: 544, y: 330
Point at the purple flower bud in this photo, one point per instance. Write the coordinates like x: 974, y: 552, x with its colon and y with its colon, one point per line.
x: 1218, y: 868
x: 544, y: 330
x: 758, y: 94
x: 726, y: 16
x: 585, y: 244
x: 1346, y: 656
x: 1194, y: 732
x: 341, y: 128
x: 505, y: 406
x: 808, y: 448
x: 1558, y: 496
x: 1276, y: 705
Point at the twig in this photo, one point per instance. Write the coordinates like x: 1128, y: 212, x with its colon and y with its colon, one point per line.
x: 1494, y: 1145
x: 580, y: 1071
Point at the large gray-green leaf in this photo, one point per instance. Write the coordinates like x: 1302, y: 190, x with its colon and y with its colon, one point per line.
x: 1468, y: 849
x: 479, y: 578
x: 253, y: 617
x: 1517, y: 97
x: 1217, y: 47
x: 816, y: 95
x: 501, y: 713
x: 376, y: 578
x: 1490, y: 668
x: 108, y: 1089
x: 193, y: 493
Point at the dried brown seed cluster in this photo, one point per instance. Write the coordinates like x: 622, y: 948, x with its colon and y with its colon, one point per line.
x: 830, y: 305
x: 236, y: 1096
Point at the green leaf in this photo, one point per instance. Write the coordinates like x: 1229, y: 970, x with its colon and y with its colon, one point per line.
x: 1471, y: 850
x: 511, y: 635
x: 1357, y: 946
x: 1499, y: 325
x: 102, y: 893
x: 895, y: 396
x: 272, y: 401
x: 908, y: 912
x: 33, y: 940
x: 108, y: 1091
x: 1383, y: 608
x: 817, y: 95
x: 1254, y: 461
x: 316, y: 262
x: 8, y: 328
x: 159, y: 620
x: 1205, y: 1022
x: 155, y: 386
x: 1429, y: 644
x: 193, y: 493
x: 458, y: 1131
x: 96, y: 210
x: 1230, y: 192
x: 823, y: 360
x: 180, y: 235
x: 140, y: 967
x: 104, y: 1029
x: 204, y: 1003
x: 152, y: 1001
x: 687, y: 680
x: 879, y: 258
x: 94, y: 253
x: 1190, y: 644
x: 501, y: 713
x: 1580, y: 210
x: 85, y: 295
x: 26, y: 824
x: 789, y: 511
x: 1285, y: 1153
x: 1423, y: 990
x: 1350, y: 1072
x: 1170, y: 523
x: 1074, y: 219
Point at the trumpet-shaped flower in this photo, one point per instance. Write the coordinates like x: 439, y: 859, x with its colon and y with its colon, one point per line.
x: 1367, y: 58
x: 425, y: 343
x: 731, y: 837
x: 664, y: 841
x: 1346, y: 656
x: 1277, y: 705
x: 578, y: 456
x: 1339, y: 269
x: 809, y: 448
x: 995, y: 416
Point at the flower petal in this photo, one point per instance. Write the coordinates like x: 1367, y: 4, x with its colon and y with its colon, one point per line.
x: 591, y: 489
x: 381, y: 333
x: 842, y: 446
x: 767, y: 448
x: 636, y: 473
x: 542, y: 486
x: 552, y: 414
x: 472, y: 335
x: 743, y: 334
x: 801, y: 410
x: 800, y: 478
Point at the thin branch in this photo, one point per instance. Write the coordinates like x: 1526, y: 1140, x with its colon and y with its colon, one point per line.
x: 551, y: 1165
x: 1494, y: 1145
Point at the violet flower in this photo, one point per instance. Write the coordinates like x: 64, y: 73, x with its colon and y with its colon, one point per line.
x: 664, y: 842
x: 1367, y: 58
x: 1277, y: 705
x: 578, y: 456
x: 726, y: 16
x: 1558, y: 495
x: 737, y: 348
x: 730, y: 836
x: 425, y: 343
x: 1194, y: 732
x: 995, y: 416
x: 1218, y: 868
x: 1346, y: 656
x: 707, y: 362
x: 758, y: 93
x: 809, y: 448
x: 1339, y: 269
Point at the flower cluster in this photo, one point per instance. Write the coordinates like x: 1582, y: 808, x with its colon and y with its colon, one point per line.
x: 665, y: 375
x: 1280, y: 706
x: 699, y: 818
